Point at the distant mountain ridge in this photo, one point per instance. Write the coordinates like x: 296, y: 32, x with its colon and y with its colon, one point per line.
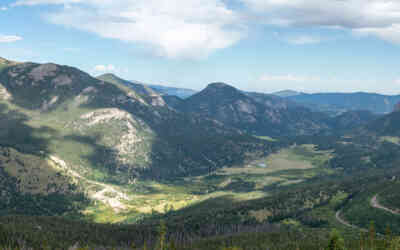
x: 151, y: 89
x: 255, y: 113
x: 173, y: 91
x: 287, y: 93
x: 330, y: 103
x: 152, y: 97
x: 341, y: 102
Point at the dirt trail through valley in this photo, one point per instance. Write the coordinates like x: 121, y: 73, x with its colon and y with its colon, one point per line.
x: 342, y: 221
x: 375, y: 203
x: 101, y: 195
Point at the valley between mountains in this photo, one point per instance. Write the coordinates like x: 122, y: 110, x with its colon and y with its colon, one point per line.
x: 107, y: 156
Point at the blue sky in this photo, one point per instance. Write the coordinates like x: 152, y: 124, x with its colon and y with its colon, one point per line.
x: 256, y: 45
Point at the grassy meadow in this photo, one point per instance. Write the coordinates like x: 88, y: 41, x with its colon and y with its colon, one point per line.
x: 252, y: 181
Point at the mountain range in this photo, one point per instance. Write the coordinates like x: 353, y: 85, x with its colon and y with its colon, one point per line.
x: 265, y: 116
x: 255, y: 113
x: 77, y: 129
x: 172, y: 91
x: 336, y: 103
x: 332, y: 104
x: 286, y: 93
x: 217, y: 161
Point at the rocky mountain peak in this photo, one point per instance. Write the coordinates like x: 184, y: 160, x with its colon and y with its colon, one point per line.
x: 221, y: 90
x: 220, y: 86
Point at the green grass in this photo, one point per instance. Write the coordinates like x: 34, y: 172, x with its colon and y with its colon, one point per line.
x: 252, y: 181
x: 392, y: 139
x: 245, y: 182
x: 287, y: 167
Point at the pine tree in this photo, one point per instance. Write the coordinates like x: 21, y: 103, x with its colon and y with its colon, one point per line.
x: 372, y: 234
x: 162, y: 236
x: 336, y: 241
x: 388, y: 237
x: 3, y: 237
x: 133, y: 246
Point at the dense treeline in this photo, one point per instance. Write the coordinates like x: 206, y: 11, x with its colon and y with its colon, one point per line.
x: 390, y: 196
x: 225, y: 216
x: 161, y: 239
x: 246, y: 224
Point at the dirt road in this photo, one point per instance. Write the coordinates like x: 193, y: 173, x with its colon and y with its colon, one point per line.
x: 375, y: 203
x: 342, y: 221
x: 102, y: 195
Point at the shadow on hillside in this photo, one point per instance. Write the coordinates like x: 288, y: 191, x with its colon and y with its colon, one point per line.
x: 104, y: 158
x: 186, y: 145
x: 16, y: 134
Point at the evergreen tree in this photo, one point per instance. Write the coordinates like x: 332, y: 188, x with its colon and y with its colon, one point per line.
x: 336, y: 241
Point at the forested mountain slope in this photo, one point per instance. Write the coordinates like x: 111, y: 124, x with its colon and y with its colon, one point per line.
x: 388, y: 125
x: 59, y: 122
x: 254, y: 113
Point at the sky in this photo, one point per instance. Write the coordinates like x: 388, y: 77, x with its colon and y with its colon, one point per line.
x: 255, y: 45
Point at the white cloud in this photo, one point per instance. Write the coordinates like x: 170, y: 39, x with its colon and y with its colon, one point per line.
x: 196, y: 28
x: 37, y: 2
x: 380, y: 18
x: 397, y: 81
x: 171, y: 28
x: 288, y: 78
x: 9, y: 39
x: 3, y: 8
x: 303, y: 40
x: 104, y: 68
x: 390, y: 33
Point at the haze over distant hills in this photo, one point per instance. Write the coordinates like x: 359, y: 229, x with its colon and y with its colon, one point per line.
x: 330, y: 103
x: 151, y: 96
x: 255, y: 113
x: 341, y: 102
x: 263, y: 114
x: 179, y: 92
x: 286, y: 93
